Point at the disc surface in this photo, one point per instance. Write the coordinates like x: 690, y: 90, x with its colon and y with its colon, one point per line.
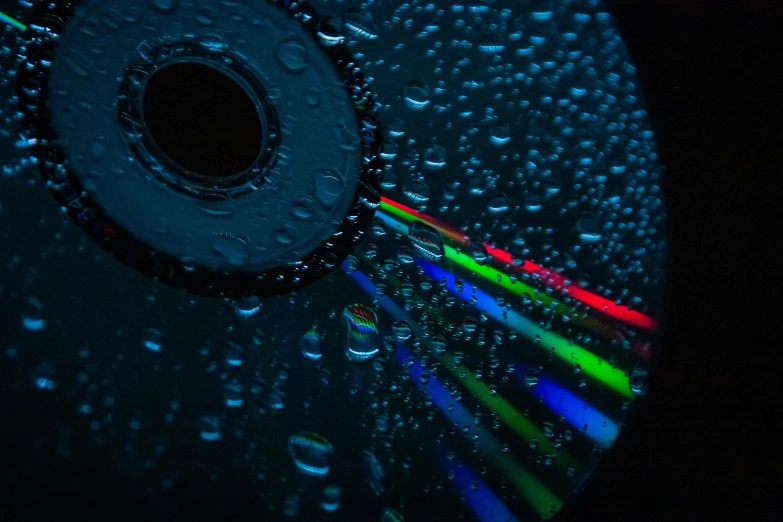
x: 435, y: 293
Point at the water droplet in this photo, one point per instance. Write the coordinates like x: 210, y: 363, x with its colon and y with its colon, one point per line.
x: 417, y: 191
x: 328, y: 187
x: 234, y: 250
x: 492, y: 43
x: 639, y: 382
x: 43, y: 376
x: 391, y: 515
x: 285, y: 236
x: 310, y: 344
x: 232, y: 392
x: 533, y: 202
x: 531, y: 377
x: 396, y: 128
x: 374, y: 472
x: 303, y: 208
x: 389, y: 150
x: 389, y: 180
x: 361, y: 326
x: 417, y: 95
x: 478, y: 250
x: 210, y: 428
x: 33, y: 315
x: 233, y: 355
x: 153, y: 339
x: 165, y: 6
x: 330, y: 499
x: 439, y: 344
x: 293, y: 55
x: 406, y: 255
x: 499, y: 135
x: 469, y: 324
x: 589, y: 228
x: 247, y: 306
x: 291, y: 505
x: 359, y: 24
x: 426, y: 240
x: 402, y: 331
x: 351, y: 264
x: 206, y: 15
x: 311, y: 453
x: 498, y: 205
x: 313, y: 97
x: 274, y: 401
x: 330, y: 31
x: 435, y: 157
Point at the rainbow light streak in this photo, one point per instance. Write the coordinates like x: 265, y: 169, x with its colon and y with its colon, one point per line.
x: 510, y: 416
x: 548, y: 276
x: 595, y: 425
x: 516, y: 287
x: 592, y: 365
x: 484, y: 504
x: 543, y: 501
x: 12, y: 22
x: 599, y: 428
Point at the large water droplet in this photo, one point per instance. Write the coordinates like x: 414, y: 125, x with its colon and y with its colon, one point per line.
x: 361, y: 326
x: 310, y: 344
x: 330, y: 498
x: 417, y: 95
x: 311, y: 453
x: 589, y: 229
x: 359, y: 24
x: 402, y: 331
x: 210, y: 428
x: 417, y: 191
x: 396, y: 128
x: 234, y: 249
x: 293, y: 55
x: 328, y: 187
x: 153, y: 339
x: 232, y: 392
x: 499, y: 135
x: 247, y: 306
x: 33, y: 315
x: 43, y: 376
x: 491, y: 43
x: 435, y: 157
x: 374, y: 472
x: 426, y: 240
x: 165, y: 6
x: 498, y: 205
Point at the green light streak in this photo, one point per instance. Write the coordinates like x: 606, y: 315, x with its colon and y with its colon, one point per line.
x: 12, y: 22
x: 510, y: 416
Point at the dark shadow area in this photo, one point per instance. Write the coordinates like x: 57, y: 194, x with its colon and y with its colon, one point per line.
x: 711, y: 75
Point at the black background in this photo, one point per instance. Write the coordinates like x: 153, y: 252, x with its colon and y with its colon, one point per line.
x: 703, y: 447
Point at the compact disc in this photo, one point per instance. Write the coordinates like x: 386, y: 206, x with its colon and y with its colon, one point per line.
x: 328, y: 260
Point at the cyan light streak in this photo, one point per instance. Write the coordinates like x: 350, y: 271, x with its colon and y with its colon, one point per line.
x: 485, y: 505
x: 12, y: 22
x: 578, y: 413
x: 592, y: 365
